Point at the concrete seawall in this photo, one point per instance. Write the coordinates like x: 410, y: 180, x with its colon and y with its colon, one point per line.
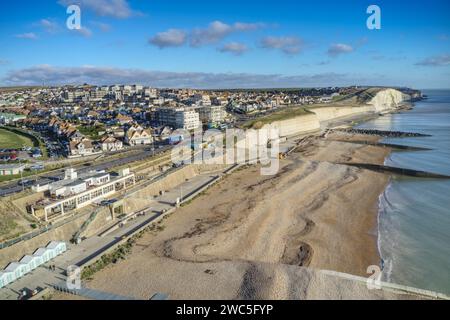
x: 335, y: 113
x: 63, y: 233
x: 386, y: 100
x: 301, y: 124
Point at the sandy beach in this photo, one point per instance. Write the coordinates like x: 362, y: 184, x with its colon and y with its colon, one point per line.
x: 251, y: 236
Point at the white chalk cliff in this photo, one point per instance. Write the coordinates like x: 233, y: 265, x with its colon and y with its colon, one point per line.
x: 388, y: 99
x: 384, y: 100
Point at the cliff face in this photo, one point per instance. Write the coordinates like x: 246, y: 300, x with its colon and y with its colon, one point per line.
x: 381, y: 100
x: 332, y: 113
x: 301, y: 124
x: 388, y: 99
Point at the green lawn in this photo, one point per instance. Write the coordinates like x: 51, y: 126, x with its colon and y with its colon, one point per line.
x: 283, y: 114
x: 91, y: 131
x: 11, y: 140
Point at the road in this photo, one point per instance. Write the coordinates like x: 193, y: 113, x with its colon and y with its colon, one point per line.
x: 14, y: 187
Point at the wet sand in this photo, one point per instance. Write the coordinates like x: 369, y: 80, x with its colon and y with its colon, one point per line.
x: 251, y: 236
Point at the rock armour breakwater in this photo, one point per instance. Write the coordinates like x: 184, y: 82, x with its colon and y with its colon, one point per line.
x: 386, y: 134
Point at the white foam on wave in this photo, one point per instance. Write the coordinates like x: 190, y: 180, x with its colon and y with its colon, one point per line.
x: 387, y: 262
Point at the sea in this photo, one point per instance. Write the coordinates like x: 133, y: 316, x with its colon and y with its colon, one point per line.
x: 414, y: 213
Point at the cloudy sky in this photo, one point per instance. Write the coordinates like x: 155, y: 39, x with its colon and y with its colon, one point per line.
x: 226, y: 44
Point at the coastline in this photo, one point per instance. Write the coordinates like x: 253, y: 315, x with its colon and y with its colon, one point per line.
x: 314, y: 213
x: 386, y: 269
x: 376, y: 184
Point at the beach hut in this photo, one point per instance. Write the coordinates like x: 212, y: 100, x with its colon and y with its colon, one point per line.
x: 17, y: 269
x: 32, y: 261
x: 44, y: 253
x: 5, y: 278
x: 57, y: 247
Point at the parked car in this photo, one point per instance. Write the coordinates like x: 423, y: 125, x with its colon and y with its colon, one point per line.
x: 37, y: 167
x: 26, y: 183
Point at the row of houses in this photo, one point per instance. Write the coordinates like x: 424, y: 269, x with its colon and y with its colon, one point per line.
x: 77, y: 144
x: 28, y: 263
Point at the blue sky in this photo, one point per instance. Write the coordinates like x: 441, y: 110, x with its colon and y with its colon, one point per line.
x: 212, y: 44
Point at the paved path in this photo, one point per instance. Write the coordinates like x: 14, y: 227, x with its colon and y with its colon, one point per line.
x: 93, y: 247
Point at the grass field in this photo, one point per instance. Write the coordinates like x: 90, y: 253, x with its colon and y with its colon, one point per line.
x: 284, y: 114
x: 11, y: 140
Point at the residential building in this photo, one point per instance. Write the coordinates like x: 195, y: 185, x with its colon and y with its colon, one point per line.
x: 11, y: 169
x: 109, y: 143
x: 80, y: 148
x: 178, y: 118
x: 136, y: 135
x: 212, y: 114
x: 187, y: 119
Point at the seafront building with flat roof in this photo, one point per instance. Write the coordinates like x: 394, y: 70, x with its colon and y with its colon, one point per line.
x: 11, y: 169
x: 80, y: 193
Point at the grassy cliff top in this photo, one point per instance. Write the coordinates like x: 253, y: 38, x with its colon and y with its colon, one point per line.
x: 355, y: 99
x: 284, y: 114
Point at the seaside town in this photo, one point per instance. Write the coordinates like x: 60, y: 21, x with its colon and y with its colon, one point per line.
x: 87, y: 120
x: 89, y: 167
x: 221, y: 154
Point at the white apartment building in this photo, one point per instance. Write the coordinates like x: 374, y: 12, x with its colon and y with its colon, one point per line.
x: 97, y: 95
x: 137, y: 88
x: 187, y: 119
x: 206, y: 101
x: 151, y: 93
x: 178, y: 118
x: 212, y: 114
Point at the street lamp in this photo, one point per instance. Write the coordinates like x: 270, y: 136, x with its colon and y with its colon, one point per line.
x: 21, y: 177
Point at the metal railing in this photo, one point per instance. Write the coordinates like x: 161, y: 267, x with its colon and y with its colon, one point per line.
x: 33, y: 234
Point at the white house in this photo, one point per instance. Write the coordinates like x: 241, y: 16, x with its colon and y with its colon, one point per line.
x: 44, y: 253
x: 111, y: 144
x: 6, y: 278
x: 17, y: 269
x: 11, y: 169
x: 32, y: 261
x: 136, y: 135
x: 57, y: 247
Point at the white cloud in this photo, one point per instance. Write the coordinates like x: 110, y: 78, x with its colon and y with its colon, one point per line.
x: 105, y: 75
x: 289, y: 45
x: 217, y: 31
x: 339, y: 48
x: 235, y: 48
x: 83, y: 31
x: 106, y: 8
x: 242, y: 26
x: 104, y: 27
x: 48, y: 25
x: 435, y: 61
x: 169, y: 38
x: 28, y: 35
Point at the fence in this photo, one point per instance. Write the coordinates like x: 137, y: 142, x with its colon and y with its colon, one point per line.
x: 36, y: 233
